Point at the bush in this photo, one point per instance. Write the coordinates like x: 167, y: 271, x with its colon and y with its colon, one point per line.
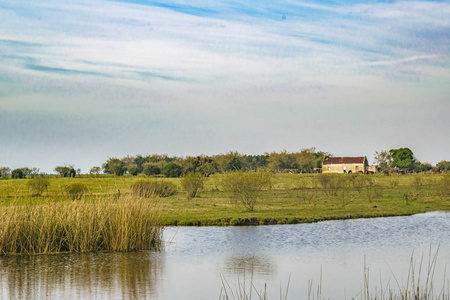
x: 75, y: 191
x: 359, y: 181
x: 153, y: 188
x: 192, y: 183
x: 17, y: 174
x: 246, y: 186
x: 38, y: 185
x: 443, y: 186
x: 172, y: 170
x: 332, y: 183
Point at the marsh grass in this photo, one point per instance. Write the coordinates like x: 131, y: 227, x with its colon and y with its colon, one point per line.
x: 102, y: 223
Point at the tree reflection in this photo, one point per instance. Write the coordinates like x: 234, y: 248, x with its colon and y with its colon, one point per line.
x: 93, y: 275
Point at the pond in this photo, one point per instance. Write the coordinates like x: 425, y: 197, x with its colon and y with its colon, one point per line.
x: 196, y: 260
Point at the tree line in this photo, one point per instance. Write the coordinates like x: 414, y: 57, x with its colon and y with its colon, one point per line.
x: 305, y: 161
x: 403, y: 160
x: 301, y: 162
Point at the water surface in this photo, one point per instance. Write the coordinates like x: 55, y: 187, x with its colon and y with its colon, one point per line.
x: 195, y: 259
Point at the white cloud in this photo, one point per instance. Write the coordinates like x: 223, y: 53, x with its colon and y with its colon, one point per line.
x: 286, y: 81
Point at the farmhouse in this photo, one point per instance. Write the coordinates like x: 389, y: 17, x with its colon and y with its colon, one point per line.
x: 346, y: 165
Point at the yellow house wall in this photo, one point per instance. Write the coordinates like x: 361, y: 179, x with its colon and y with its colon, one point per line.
x: 340, y: 168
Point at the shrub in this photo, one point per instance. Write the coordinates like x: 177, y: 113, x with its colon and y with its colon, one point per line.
x: 246, y: 186
x: 410, y: 197
x: 38, y: 185
x: 359, y: 182
x: 17, y: 174
x: 332, y: 183
x: 443, y: 186
x: 152, y: 188
x: 192, y: 183
x: 172, y: 170
x: 76, y: 191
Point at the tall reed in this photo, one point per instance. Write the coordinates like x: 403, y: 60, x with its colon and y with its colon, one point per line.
x: 102, y: 223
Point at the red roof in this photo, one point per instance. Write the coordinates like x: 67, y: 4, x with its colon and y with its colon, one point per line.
x: 343, y: 160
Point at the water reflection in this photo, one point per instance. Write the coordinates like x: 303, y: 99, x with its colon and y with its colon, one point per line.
x: 245, y: 266
x: 97, y: 275
x: 190, y: 265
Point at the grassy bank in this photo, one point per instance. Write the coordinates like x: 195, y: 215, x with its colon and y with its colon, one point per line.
x: 293, y: 198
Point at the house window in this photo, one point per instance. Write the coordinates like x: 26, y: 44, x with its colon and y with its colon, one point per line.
x: 356, y: 168
x: 328, y: 168
x: 345, y: 167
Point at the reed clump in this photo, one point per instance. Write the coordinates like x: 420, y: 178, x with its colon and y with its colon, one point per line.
x: 153, y: 188
x: 102, y: 223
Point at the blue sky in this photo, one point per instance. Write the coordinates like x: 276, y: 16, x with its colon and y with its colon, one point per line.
x: 81, y: 81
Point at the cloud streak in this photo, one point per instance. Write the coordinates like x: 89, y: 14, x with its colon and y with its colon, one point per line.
x: 303, y: 65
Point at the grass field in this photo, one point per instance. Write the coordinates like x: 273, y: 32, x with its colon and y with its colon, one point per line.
x: 293, y: 198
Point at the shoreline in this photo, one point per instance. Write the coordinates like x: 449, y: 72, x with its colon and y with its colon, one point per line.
x: 286, y: 221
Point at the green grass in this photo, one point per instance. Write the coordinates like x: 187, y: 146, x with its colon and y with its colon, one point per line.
x: 293, y: 198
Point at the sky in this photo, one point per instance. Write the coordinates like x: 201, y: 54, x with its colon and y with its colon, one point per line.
x: 85, y: 80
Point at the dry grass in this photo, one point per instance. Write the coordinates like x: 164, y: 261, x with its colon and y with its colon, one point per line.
x: 102, y: 223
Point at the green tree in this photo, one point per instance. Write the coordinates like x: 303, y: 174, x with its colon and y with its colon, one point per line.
x: 443, y: 166
x: 282, y: 161
x: 17, y: 174
x: 424, y: 166
x: 65, y: 171
x: 139, y: 161
x: 255, y: 162
x: 384, y: 160
x: 129, y: 162
x: 114, y: 166
x: 26, y: 171
x: 306, y: 160
x: 151, y: 169
x: 402, y: 158
x: 172, y: 170
x: 199, y: 164
x: 231, y: 161
x: 5, y: 172
x: 95, y: 171
x: 320, y: 155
